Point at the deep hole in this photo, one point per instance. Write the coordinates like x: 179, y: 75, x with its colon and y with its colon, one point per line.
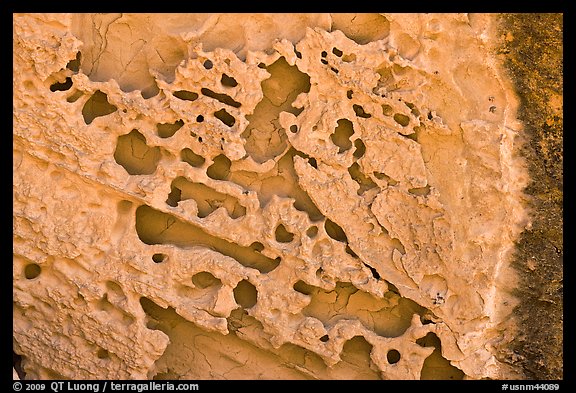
x: 298, y: 54
x: 257, y: 246
x: 430, y: 116
x: 155, y: 227
x: 363, y: 181
x: 208, y: 64
x: 228, y: 81
x: 174, y: 197
x: 159, y: 258
x: 225, y: 117
x: 312, y: 232
x: 337, y: 52
x: 166, y: 130
x: 135, y: 156
x: 195, y: 160
x: 294, y: 128
x: 186, y: 95
x: 349, y: 94
x: 303, y: 288
x: 335, y: 70
x: 67, y: 84
x: 32, y: 270
x: 282, y: 235
x: 402, y: 119
x: 335, y: 231
x: 223, y: 98
x: 324, y: 338
x: 312, y: 162
x: 360, y: 111
x: 245, y: 294
x: 262, y: 65
x: 205, y: 279
x: 341, y: 135
x: 324, y: 53
x: 360, y: 148
x: 375, y: 273
x: 350, y: 252
x: 220, y: 168
x: 103, y: 354
x: 393, y: 356
x: 199, y: 118
x: 97, y: 106
x: 74, y: 65
x: 324, y: 61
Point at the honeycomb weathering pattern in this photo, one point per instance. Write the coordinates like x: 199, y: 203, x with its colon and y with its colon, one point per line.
x: 263, y: 196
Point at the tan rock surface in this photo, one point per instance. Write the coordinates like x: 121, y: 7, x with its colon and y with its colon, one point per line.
x: 291, y: 196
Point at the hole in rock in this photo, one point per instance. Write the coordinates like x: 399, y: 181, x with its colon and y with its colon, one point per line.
x: 337, y: 52
x: 66, y: 85
x: 102, y: 354
x: 74, y: 97
x: 207, y: 199
x: 436, y: 366
x: 199, y: 118
x: 349, y: 94
x: 282, y: 235
x: 205, y: 279
x: 155, y: 227
x: 186, y: 95
x: 303, y: 288
x: 359, y: 110
x: 265, y: 138
x: 167, y: 130
x: 174, y: 197
x: 401, y: 119
x: 324, y: 61
x: 387, y: 110
x: 223, y: 98
x: 383, y: 176
x: 363, y: 181
x: 97, y: 106
x: 341, y: 135
x: 360, y: 148
x: 398, y: 245
x: 312, y: 232
x: 421, y: 191
x: 294, y: 128
x: 335, y: 70
x: 208, y: 64
x: 393, y: 356
x: 159, y: 258
x: 32, y: 270
x: 220, y: 168
x: 312, y: 162
x: 335, y: 231
x: 257, y: 246
x: 245, y: 294
x: 74, y: 65
x: 225, y: 117
x: 356, y: 352
x: 350, y: 252
x: 135, y: 156
x: 324, y: 338
x: 228, y: 81
x: 188, y: 156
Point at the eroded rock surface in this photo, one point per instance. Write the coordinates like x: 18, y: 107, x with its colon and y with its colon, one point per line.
x: 272, y: 196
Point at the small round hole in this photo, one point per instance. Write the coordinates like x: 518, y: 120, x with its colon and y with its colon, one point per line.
x: 324, y: 338
x: 312, y: 232
x: 208, y: 64
x: 294, y: 128
x: 158, y: 258
x: 32, y: 271
x: 393, y: 356
x: 199, y: 118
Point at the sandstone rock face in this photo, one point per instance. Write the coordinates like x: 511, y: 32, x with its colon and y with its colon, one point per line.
x: 269, y: 196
